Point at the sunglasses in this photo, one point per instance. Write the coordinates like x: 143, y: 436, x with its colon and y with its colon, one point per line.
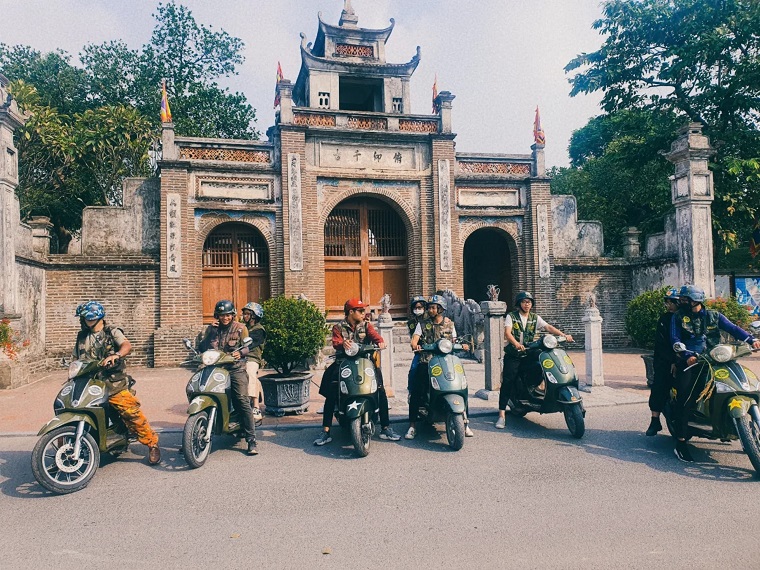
x: 359, y: 310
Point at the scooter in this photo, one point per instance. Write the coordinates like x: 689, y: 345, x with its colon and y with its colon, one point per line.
x: 446, y: 398
x: 548, y: 384
x: 727, y: 407
x: 67, y: 456
x: 357, y: 407
x: 211, y: 411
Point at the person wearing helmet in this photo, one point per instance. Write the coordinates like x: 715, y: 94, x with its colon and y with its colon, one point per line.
x: 435, y: 326
x: 699, y: 329
x: 97, y: 340
x: 353, y: 328
x: 252, y: 315
x: 416, y: 315
x: 664, y: 362
x: 226, y: 334
x: 520, y: 328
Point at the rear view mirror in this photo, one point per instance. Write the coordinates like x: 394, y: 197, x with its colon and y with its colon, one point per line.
x: 247, y: 341
x: 755, y: 327
x: 187, y: 343
x: 679, y: 347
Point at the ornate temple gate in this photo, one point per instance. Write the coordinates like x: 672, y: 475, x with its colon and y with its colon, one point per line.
x: 235, y: 267
x: 365, y: 256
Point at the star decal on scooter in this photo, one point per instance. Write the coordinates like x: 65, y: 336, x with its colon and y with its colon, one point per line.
x: 353, y: 405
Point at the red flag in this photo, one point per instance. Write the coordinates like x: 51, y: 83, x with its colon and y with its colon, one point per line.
x: 538, y: 133
x: 754, y: 241
x: 166, y: 112
x: 436, y: 107
x: 280, y: 77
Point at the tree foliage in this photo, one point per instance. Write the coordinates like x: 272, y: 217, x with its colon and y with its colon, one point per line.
x: 92, y: 125
x: 698, y: 60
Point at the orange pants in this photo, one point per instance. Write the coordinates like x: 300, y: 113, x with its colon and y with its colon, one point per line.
x: 129, y: 409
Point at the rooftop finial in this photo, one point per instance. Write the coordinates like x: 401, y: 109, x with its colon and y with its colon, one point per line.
x: 348, y: 17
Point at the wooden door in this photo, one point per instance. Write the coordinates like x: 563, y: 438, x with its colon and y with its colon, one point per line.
x: 365, y: 256
x: 235, y: 267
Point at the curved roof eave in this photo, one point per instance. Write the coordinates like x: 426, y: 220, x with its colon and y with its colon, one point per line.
x: 311, y: 61
x: 383, y: 34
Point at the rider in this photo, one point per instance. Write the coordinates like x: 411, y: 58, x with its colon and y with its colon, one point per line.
x: 699, y: 329
x: 353, y: 328
x: 434, y: 327
x: 416, y: 316
x: 664, y: 362
x: 520, y: 328
x: 252, y: 315
x: 226, y: 335
x: 100, y: 341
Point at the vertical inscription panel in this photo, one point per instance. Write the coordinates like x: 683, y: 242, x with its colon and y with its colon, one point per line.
x: 295, y: 216
x: 444, y: 213
x: 544, y: 268
x: 173, y: 236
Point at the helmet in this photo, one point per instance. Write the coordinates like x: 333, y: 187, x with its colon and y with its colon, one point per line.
x: 417, y: 299
x: 80, y: 307
x: 353, y: 304
x: 224, y: 308
x: 672, y: 294
x: 438, y: 300
x: 521, y: 296
x: 255, y: 308
x: 693, y: 293
x: 91, y: 311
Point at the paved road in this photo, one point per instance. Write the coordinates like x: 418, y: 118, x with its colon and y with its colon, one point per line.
x: 526, y: 497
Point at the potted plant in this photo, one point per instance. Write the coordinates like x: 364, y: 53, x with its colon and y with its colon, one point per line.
x: 295, y: 333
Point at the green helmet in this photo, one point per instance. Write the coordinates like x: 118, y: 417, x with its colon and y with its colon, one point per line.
x: 521, y: 296
x: 693, y: 293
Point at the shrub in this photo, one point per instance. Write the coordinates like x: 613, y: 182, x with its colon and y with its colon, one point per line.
x: 732, y: 310
x: 9, y: 340
x: 642, y: 314
x: 295, y: 332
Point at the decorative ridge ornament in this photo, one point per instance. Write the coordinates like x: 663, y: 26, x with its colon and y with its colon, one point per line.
x: 538, y: 133
x: 348, y: 17
x: 166, y: 113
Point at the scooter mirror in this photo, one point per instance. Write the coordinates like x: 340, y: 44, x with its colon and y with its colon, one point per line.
x: 247, y: 341
x: 187, y: 343
x: 755, y: 327
x: 679, y: 347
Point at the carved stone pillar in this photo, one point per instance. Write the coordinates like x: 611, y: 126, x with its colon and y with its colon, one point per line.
x: 444, y: 100
x: 594, y: 356
x: 493, y: 313
x: 692, y: 194
x: 631, y: 244
x: 285, y: 89
x: 539, y: 162
x: 41, y: 226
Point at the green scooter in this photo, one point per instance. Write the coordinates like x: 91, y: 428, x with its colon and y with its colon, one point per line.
x: 67, y: 456
x: 727, y: 407
x: 446, y: 398
x: 210, y: 411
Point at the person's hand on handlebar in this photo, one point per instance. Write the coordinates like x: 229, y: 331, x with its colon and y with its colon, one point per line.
x: 691, y: 360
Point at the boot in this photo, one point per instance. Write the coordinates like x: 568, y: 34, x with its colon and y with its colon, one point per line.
x: 654, y: 426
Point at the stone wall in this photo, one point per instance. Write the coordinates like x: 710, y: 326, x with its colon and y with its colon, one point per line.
x: 571, y: 237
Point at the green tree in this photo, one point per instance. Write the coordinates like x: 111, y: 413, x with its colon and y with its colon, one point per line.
x: 697, y: 59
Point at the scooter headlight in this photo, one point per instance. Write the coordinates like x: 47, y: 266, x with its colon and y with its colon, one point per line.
x: 343, y: 387
x: 722, y: 353
x: 434, y: 382
x: 722, y: 387
x: 373, y: 386
x: 75, y: 368
x: 211, y: 357
x: 551, y: 377
x: 352, y: 350
x: 549, y: 341
x: 445, y: 345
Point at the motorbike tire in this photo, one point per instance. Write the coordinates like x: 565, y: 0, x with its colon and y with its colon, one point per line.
x: 359, y: 438
x: 455, y: 431
x: 574, y: 420
x: 53, y: 470
x: 194, y: 448
x: 749, y: 434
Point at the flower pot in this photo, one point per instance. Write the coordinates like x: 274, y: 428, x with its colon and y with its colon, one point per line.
x: 649, y: 364
x: 286, y: 392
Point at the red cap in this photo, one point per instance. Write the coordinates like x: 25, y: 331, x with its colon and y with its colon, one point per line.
x: 353, y: 304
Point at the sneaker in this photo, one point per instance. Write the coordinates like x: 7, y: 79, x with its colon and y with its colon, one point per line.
x: 323, y: 439
x: 389, y: 434
x: 654, y: 426
x: 468, y: 431
x: 682, y: 451
x: 501, y: 423
x: 411, y: 433
x: 252, y: 448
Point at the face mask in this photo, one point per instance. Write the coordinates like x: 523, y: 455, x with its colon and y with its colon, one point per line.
x: 419, y: 312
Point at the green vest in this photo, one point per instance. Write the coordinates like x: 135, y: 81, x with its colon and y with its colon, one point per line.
x: 699, y: 325
x: 115, y: 375
x: 528, y: 333
x: 432, y: 332
x: 256, y: 352
x: 358, y: 334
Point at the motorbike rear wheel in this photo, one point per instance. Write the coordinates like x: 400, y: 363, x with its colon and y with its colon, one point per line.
x: 455, y: 430
x: 195, y: 448
x: 574, y: 420
x: 749, y: 434
x: 53, y: 465
x: 359, y: 437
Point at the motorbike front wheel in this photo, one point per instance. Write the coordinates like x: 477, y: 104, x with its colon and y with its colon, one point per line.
x: 749, y: 434
x: 574, y: 420
x: 196, y: 440
x: 359, y: 437
x: 53, y: 463
x: 455, y: 430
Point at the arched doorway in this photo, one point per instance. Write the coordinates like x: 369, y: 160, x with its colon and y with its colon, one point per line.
x: 365, y: 255
x: 487, y: 261
x: 235, y: 267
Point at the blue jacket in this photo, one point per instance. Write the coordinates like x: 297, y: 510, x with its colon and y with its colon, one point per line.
x: 701, y: 331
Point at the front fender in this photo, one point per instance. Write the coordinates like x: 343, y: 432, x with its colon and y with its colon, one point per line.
x: 352, y: 411
x: 738, y: 406
x: 455, y: 402
x: 568, y: 395
x: 200, y: 403
x: 65, y: 419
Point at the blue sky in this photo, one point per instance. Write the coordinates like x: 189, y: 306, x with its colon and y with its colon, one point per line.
x: 500, y: 58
